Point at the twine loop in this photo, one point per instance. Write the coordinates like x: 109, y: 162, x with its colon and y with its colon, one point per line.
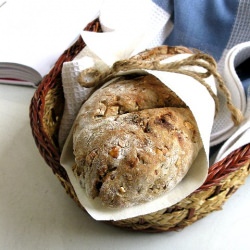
x: 152, y: 60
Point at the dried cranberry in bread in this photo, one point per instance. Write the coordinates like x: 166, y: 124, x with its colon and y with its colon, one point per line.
x: 133, y: 140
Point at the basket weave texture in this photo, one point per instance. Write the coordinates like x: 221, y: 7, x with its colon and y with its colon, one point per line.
x: 224, y: 177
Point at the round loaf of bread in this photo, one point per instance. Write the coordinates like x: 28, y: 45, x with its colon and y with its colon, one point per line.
x: 134, y: 140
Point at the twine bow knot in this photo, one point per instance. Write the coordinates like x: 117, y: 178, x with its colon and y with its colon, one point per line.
x: 152, y: 60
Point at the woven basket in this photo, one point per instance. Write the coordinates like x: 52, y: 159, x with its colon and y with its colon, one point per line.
x: 224, y: 177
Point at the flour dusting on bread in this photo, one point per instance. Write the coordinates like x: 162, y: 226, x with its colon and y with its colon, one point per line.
x: 133, y: 140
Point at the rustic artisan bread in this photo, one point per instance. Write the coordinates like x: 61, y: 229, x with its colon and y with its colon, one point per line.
x: 133, y: 140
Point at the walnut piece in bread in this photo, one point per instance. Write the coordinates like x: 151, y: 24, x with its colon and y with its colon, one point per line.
x: 133, y: 140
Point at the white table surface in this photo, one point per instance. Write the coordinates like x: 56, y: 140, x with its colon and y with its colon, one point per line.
x: 36, y: 213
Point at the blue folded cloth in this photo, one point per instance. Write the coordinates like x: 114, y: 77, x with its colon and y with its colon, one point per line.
x: 213, y: 26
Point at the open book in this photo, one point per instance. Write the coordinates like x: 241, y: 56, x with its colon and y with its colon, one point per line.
x: 35, y: 33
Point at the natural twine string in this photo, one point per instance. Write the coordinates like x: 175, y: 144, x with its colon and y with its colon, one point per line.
x: 149, y: 60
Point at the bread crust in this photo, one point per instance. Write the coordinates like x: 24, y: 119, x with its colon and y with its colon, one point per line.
x: 133, y: 140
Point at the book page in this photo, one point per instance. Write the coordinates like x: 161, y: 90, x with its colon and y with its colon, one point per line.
x: 36, y: 33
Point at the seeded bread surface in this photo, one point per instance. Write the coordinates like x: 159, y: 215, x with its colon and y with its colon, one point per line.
x: 133, y: 140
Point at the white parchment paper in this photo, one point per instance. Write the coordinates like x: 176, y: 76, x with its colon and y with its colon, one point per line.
x: 109, y: 47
